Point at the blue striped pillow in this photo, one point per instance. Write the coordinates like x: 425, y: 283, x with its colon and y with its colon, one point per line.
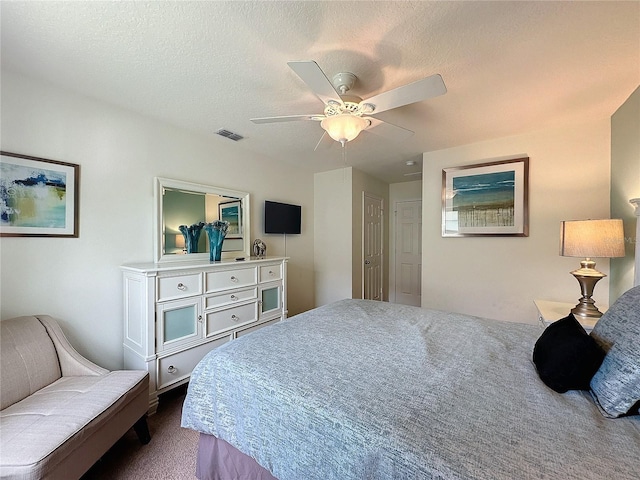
x: 616, y: 385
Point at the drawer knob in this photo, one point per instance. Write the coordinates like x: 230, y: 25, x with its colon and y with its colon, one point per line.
x: 182, y: 286
x: 233, y: 297
x: 200, y: 318
x: 172, y: 369
x: 271, y: 273
x: 234, y: 318
x: 233, y: 278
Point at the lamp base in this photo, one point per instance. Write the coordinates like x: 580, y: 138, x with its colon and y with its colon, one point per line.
x: 587, y: 278
x: 586, y: 310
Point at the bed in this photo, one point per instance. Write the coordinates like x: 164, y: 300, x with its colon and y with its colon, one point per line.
x: 370, y: 390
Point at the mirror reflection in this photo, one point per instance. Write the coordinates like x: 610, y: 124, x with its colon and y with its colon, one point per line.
x: 189, y: 208
x: 191, y: 205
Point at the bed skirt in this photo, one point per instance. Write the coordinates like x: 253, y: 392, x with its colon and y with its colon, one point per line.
x: 219, y: 460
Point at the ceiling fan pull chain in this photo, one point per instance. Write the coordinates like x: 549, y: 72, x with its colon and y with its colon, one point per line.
x: 344, y: 153
x: 344, y: 159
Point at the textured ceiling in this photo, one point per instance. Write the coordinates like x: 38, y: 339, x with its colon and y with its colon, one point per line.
x: 509, y: 67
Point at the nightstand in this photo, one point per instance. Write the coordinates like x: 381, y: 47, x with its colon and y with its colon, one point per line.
x: 549, y: 312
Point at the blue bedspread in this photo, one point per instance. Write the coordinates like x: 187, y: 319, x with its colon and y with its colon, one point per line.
x: 370, y: 390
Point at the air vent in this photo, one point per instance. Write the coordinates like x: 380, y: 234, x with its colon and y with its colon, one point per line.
x: 230, y: 135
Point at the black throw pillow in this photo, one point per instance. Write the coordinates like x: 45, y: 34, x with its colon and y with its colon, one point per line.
x: 566, y: 357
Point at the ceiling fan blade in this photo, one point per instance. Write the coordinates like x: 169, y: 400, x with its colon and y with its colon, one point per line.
x: 413, y: 92
x: 388, y: 130
x: 287, y: 118
x: 316, y: 80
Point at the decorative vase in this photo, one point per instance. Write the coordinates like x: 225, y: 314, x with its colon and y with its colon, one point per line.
x: 216, y: 231
x: 191, y: 236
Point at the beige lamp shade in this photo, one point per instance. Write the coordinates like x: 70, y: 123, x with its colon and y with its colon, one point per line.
x: 180, y: 241
x: 592, y: 238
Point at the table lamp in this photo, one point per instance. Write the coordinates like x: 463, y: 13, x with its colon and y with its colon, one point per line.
x: 181, y: 242
x: 590, y: 239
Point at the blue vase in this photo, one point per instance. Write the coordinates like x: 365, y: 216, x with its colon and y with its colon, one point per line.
x: 191, y: 236
x: 216, y: 231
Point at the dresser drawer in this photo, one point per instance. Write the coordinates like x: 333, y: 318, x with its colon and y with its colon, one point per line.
x: 179, y: 286
x: 270, y: 272
x: 226, y: 279
x: 222, y: 299
x: 176, y: 367
x: 230, y: 318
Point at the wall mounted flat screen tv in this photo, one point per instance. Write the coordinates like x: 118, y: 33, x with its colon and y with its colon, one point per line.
x: 282, y: 217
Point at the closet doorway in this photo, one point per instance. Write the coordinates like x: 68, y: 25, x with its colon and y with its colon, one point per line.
x: 372, y: 247
x: 408, y: 252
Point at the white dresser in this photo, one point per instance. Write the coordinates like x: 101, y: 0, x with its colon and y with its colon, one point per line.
x: 175, y: 313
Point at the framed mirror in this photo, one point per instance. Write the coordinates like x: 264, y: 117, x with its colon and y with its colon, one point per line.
x: 184, y: 203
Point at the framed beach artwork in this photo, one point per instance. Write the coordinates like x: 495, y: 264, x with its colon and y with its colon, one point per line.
x: 38, y: 197
x: 486, y: 199
x: 230, y: 212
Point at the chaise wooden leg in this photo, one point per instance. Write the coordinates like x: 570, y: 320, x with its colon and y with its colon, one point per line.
x: 142, y: 430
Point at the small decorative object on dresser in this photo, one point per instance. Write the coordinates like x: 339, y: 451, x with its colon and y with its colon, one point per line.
x: 259, y: 248
x: 216, y: 231
x: 176, y: 312
x: 191, y: 236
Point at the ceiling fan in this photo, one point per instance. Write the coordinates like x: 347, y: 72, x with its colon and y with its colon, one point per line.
x: 345, y: 116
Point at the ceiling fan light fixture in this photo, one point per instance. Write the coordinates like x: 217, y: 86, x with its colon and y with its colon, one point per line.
x: 345, y: 116
x: 344, y: 127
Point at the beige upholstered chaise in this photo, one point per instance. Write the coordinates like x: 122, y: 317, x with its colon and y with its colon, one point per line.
x: 60, y: 412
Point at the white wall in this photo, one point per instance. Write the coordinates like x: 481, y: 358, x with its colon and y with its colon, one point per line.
x: 78, y: 281
x: 398, y: 192
x: 338, y: 233
x: 333, y: 235
x: 625, y: 185
x: 498, y: 277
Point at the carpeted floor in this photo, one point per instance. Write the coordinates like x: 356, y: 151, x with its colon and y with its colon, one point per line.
x: 170, y: 455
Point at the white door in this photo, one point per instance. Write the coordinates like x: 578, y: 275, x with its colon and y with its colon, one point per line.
x: 408, y: 252
x: 372, y: 247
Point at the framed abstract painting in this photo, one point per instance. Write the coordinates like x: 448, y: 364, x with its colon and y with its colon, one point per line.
x: 38, y: 197
x: 486, y: 199
x: 231, y: 212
